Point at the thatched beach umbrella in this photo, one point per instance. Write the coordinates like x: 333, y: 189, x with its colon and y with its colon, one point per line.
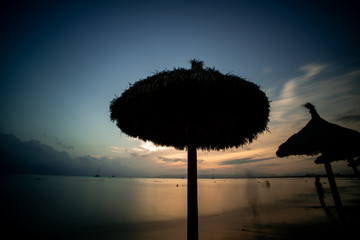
x: 321, y: 137
x: 197, y: 108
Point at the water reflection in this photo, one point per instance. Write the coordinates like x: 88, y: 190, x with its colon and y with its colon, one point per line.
x: 160, y: 199
x: 252, y: 192
x: 320, y: 191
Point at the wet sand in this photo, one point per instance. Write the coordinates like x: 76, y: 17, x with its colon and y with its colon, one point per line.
x: 286, y: 223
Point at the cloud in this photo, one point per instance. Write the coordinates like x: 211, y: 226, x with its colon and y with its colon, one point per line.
x: 124, y: 150
x: 149, y: 146
x: 348, y: 118
x: 293, y: 91
x: 331, y: 94
x: 177, y: 160
x: 311, y: 70
x: 117, y: 149
x: 243, y: 161
x: 172, y: 160
x: 33, y: 157
x: 133, y: 152
x: 144, y: 149
x: 61, y: 144
x: 266, y: 70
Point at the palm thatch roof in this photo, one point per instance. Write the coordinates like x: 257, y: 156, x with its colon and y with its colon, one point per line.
x: 322, y: 137
x: 223, y: 110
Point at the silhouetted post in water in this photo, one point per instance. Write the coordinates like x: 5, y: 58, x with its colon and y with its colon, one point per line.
x: 330, y: 140
x: 192, y: 203
x: 334, y: 190
x: 168, y: 109
x: 320, y: 191
x: 353, y: 164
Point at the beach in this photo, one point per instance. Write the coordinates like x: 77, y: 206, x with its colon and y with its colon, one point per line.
x: 57, y: 208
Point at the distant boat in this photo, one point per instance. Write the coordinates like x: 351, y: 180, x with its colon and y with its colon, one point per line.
x: 98, y: 173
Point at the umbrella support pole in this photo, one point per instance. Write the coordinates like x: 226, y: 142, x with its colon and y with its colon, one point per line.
x: 334, y: 190
x: 192, y: 204
x: 352, y: 164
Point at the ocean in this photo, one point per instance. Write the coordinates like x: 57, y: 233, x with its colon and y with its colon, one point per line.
x: 66, y: 207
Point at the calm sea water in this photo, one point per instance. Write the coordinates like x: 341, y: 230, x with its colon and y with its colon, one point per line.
x: 52, y: 202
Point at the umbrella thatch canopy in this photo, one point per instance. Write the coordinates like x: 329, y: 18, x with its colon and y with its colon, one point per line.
x: 321, y: 137
x: 197, y: 108
x: 223, y: 111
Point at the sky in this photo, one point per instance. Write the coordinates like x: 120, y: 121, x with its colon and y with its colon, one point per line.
x: 62, y: 62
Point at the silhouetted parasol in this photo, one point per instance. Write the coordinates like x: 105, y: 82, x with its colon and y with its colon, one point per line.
x: 321, y: 137
x: 197, y: 108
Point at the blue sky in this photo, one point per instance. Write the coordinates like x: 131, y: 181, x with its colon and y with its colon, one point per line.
x: 62, y: 62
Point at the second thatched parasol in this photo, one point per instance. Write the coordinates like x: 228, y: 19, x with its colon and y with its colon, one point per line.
x: 197, y: 108
x: 321, y: 137
x: 330, y: 140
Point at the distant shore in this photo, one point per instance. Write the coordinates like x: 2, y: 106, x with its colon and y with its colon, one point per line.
x: 200, y: 176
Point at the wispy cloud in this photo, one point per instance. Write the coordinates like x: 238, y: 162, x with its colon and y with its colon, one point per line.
x: 62, y: 144
x: 293, y: 91
x: 337, y: 94
x: 266, y: 70
x: 59, y: 142
x: 121, y: 151
x: 117, y: 149
x: 144, y: 148
x: 172, y: 160
x: 332, y: 95
x: 348, y: 118
x: 176, y: 160
x: 243, y: 161
x: 149, y: 146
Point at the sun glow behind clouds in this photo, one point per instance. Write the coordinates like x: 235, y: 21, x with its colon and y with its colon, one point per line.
x: 149, y: 146
x: 144, y: 148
